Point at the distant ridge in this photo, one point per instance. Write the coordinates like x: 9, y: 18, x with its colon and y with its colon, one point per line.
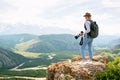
x: 49, y: 43
x: 9, y: 41
x: 8, y: 59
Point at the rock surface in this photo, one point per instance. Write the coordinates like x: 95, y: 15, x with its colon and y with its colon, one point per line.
x: 72, y: 70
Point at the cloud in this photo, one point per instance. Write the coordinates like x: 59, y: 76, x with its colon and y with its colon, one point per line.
x: 65, y: 14
x: 111, y: 3
x: 27, y: 11
x: 5, y: 6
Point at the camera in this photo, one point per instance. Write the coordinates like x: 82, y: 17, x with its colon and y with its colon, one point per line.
x: 77, y: 36
x: 81, y: 39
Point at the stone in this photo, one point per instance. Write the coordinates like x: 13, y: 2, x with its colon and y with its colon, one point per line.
x: 71, y: 70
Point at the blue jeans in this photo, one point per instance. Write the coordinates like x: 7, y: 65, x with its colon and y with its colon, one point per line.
x: 87, y: 41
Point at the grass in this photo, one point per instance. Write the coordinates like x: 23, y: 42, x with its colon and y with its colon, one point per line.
x: 23, y: 46
x: 27, y: 73
x: 44, y: 59
x: 15, y: 79
x: 37, y: 59
x: 28, y: 54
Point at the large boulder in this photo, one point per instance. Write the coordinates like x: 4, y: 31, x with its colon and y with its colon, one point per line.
x: 71, y: 70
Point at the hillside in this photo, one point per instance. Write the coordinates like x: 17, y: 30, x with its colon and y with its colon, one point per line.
x: 117, y: 46
x: 106, y: 40
x: 59, y: 42
x: 9, y: 59
x: 116, y: 41
x: 58, y: 47
x: 9, y: 41
x: 50, y: 43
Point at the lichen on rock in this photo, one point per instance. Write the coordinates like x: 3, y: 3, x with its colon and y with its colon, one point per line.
x: 71, y: 70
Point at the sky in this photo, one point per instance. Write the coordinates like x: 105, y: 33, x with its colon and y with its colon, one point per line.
x: 58, y: 16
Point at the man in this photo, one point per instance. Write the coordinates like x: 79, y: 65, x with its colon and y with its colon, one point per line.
x: 87, y: 40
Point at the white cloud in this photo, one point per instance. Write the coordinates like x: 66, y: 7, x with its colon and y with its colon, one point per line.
x: 67, y: 14
x: 111, y: 3
x: 27, y: 11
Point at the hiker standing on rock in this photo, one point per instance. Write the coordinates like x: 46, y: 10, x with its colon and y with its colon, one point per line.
x: 91, y: 32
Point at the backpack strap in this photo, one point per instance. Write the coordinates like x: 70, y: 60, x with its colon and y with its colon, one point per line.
x: 90, y: 21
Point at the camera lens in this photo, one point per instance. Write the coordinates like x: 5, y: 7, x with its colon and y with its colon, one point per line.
x: 76, y: 37
x: 81, y: 31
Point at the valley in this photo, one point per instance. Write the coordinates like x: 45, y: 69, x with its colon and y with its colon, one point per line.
x: 31, y: 55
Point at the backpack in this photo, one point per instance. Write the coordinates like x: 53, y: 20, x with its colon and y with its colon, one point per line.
x: 94, y: 29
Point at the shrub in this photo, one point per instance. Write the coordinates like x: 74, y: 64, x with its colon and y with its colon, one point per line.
x: 112, y: 72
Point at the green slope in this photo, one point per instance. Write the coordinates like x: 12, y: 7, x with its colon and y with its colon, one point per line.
x: 25, y: 45
x: 50, y: 43
x: 8, y: 59
x: 9, y: 41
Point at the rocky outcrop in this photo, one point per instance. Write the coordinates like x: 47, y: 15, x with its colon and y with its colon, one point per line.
x: 71, y: 70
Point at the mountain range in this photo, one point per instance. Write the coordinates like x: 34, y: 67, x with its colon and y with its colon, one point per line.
x: 51, y: 43
x: 44, y: 44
